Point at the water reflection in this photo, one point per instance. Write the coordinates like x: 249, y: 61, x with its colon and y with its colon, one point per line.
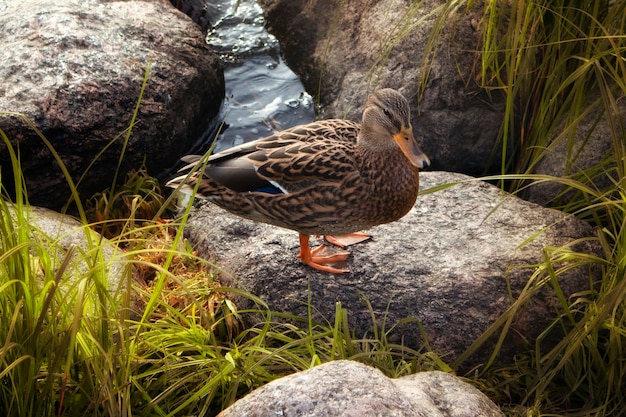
x: 262, y: 93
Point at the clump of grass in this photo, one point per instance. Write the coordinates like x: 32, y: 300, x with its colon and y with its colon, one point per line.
x: 125, y: 207
x: 192, y: 286
x: 558, y: 63
x: 50, y: 330
x: 208, y: 376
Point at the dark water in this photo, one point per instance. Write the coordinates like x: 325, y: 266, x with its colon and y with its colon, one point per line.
x: 262, y: 94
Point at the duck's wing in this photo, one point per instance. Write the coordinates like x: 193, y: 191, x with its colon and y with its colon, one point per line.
x: 284, y: 162
x: 292, y: 165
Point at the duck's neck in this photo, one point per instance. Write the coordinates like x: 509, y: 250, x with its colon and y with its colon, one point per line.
x: 387, y: 166
x: 371, y: 141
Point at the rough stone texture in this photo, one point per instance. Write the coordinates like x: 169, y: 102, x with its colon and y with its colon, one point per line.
x: 345, y: 48
x: 447, y: 264
x: 446, y: 395
x: 590, y: 145
x: 351, y: 389
x: 75, y: 68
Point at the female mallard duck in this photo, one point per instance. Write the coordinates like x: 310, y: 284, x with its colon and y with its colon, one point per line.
x: 332, y: 177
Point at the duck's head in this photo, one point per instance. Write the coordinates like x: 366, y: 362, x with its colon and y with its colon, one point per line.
x: 387, y: 123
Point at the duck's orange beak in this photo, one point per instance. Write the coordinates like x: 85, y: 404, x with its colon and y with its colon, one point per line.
x: 407, y: 143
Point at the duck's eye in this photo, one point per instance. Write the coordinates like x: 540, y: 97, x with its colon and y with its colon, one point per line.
x: 387, y: 112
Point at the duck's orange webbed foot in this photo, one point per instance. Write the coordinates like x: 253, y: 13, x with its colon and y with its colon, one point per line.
x: 313, y: 258
x: 347, y: 240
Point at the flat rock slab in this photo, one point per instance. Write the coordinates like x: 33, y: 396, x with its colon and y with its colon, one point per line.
x: 351, y: 389
x: 450, y: 264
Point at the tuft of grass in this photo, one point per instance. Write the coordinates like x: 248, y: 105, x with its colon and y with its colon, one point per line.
x: 116, y: 210
x: 54, y: 312
x: 557, y: 64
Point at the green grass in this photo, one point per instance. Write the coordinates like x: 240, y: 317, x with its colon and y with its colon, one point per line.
x: 557, y: 63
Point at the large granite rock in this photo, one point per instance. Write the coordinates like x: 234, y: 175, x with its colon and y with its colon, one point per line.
x: 454, y: 264
x: 75, y: 68
x: 351, y: 389
x: 344, y: 49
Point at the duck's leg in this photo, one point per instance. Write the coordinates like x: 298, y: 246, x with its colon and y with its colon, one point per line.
x: 346, y: 240
x: 309, y: 257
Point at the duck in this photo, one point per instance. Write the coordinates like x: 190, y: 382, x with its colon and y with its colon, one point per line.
x: 331, y: 178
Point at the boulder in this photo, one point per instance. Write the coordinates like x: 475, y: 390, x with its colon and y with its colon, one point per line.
x: 343, y: 49
x: 75, y: 69
x: 351, y: 389
x: 453, y: 265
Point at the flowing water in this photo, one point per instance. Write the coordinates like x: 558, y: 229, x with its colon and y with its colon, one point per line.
x: 262, y: 94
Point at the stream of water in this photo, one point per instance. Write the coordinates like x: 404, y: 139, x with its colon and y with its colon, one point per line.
x: 262, y: 94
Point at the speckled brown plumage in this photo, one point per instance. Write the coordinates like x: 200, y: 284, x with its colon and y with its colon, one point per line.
x: 331, y: 177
